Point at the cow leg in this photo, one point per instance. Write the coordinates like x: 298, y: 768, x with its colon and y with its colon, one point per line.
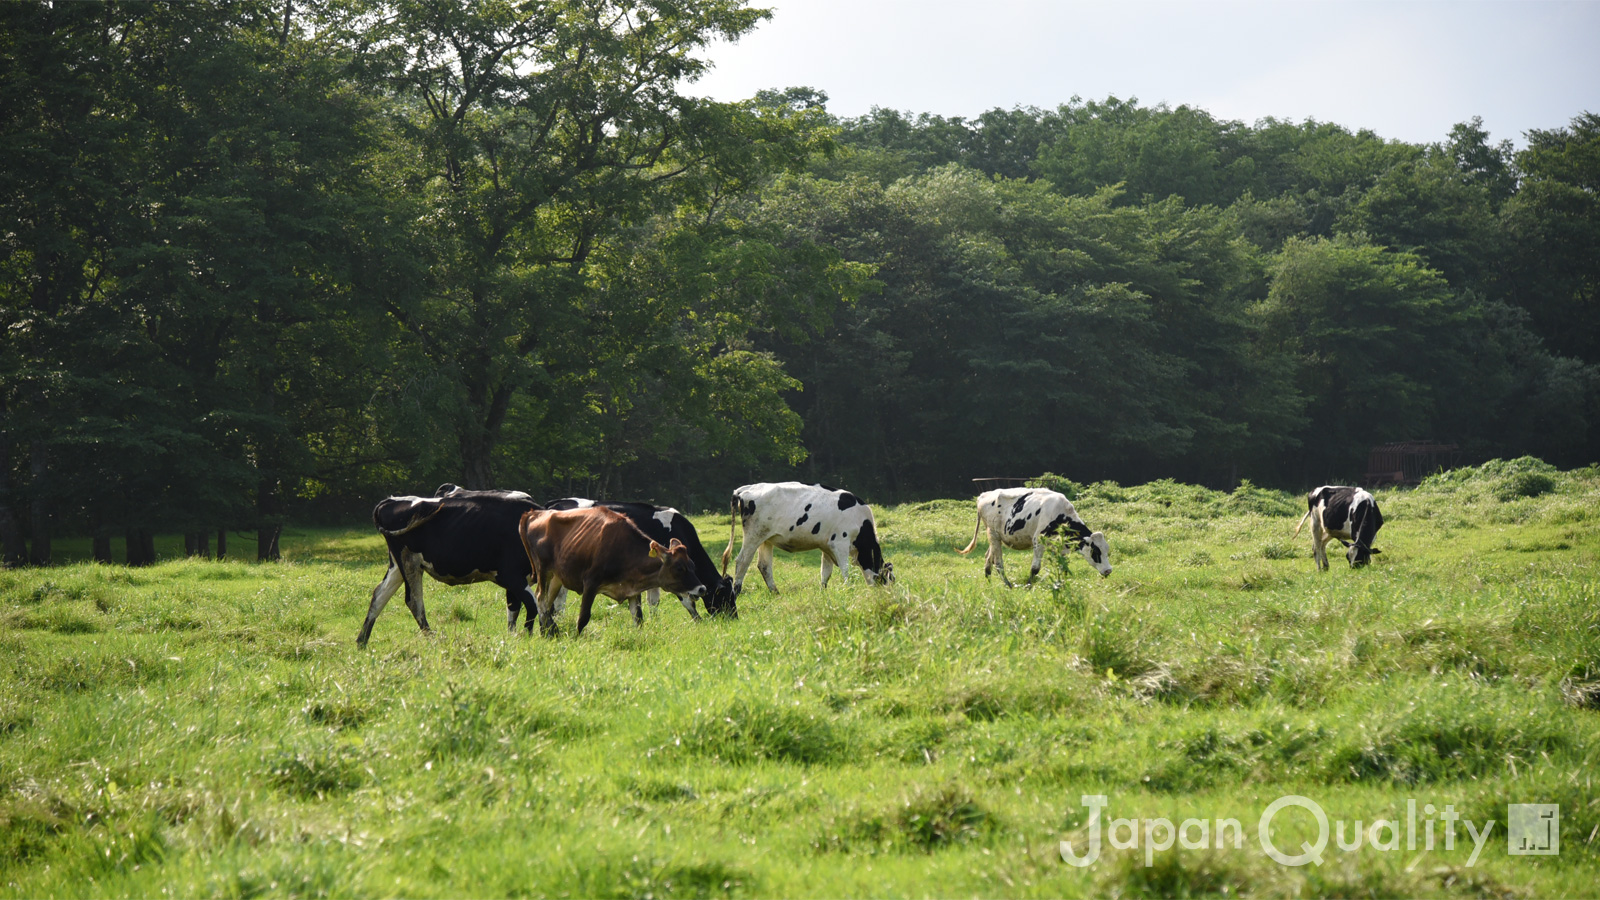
x: 747, y: 552
x: 827, y: 565
x: 764, y: 565
x: 519, y: 597
x: 1319, y: 538
x: 411, y: 568
x: 585, y: 605
x: 638, y: 610
x: 513, y: 609
x: 997, y: 557
x: 655, y: 598
x: 1038, y: 559
x: 391, y: 582
x: 530, y: 602
x: 546, y: 601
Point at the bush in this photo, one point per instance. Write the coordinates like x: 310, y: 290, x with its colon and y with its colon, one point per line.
x: 1058, y: 483
x: 1248, y: 498
x: 1504, y: 479
x: 1525, y: 484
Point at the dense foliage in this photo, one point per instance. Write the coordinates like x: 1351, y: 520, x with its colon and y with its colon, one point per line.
x: 274, y: 259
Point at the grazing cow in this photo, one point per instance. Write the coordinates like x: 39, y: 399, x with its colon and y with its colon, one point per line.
x: 1020, y: 517
x: 1348, y: 515
x: 664, y: 524
x: 795, y: 517
x: 599, y: 551
x: 457, y: 536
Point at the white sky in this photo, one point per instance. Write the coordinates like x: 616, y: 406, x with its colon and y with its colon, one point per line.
x: 1406, y: 69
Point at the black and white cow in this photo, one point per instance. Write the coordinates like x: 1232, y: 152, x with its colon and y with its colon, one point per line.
x: 1019, y: 517
x: 663, y: 524
x: 795, y: 517
x: 1348, y: 515
x: 459, y: 537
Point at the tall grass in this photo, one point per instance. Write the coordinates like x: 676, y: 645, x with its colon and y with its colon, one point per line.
x: 203, y: 728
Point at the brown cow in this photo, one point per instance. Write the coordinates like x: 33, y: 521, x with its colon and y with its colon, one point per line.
x: 600, y: 551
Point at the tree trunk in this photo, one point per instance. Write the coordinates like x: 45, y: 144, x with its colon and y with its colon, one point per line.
x: 13, y: 548
x: 267, y: 543
x: 480, y: 438
x: 197, y: 543
x: 222, y: 543
x: 101, y: 539
x: 39, y: 454
x: 268, y: 524
x: 141, y: 547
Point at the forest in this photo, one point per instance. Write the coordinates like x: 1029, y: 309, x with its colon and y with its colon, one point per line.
x: 267, y: 262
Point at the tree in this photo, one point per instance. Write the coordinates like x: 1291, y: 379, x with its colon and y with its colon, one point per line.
x: 1386, y: 350
x: 1076, y: 333
x: 542, y: 130
x: 1491, y: 168
x: 1431, y: 208
x: 1554, y: 224
x: 182, y: 176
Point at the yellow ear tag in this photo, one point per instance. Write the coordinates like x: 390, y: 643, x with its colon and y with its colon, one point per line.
x: 655, y: 550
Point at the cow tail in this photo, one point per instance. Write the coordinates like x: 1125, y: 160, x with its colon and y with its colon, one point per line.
x: 1302, y: 523
x: 733, y: 516
x: 522, y: 535
x: 975, y: 529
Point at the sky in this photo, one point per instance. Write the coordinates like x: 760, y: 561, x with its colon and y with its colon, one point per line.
x: 1405, y: 69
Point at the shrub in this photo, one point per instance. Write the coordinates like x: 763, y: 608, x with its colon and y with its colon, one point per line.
x: 1106, y: 492
x: 1525, y: 484
x: 1058, y: 483
x: 1248, y: 498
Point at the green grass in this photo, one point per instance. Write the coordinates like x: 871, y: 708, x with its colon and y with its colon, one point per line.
x: 210, y: 729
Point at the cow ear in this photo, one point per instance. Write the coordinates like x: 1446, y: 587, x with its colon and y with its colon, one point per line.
x: 675, y: 546
x: 656, y: 550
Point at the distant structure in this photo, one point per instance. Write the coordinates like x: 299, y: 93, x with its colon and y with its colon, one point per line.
x: 1408, y: 462
x: 1000, y: 481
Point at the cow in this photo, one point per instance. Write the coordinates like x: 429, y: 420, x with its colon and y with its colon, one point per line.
x: 457, y: 536
x: 1020, y: 518
x: 600, y: 551
x: 1348, y: 515
x: 795, y: 517
x: 664, y: 524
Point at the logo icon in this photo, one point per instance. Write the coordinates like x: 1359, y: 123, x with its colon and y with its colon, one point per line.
x: 1533, y: 829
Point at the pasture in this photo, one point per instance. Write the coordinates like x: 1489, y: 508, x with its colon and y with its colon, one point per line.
x: 210, y: 729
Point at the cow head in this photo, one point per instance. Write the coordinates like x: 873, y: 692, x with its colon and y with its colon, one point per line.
x: 869, y: 554
x: 1359, y: 554
x: 1097, y: 551
x: 884, y: 576
x: 720, y: 600
x: 677, y: 569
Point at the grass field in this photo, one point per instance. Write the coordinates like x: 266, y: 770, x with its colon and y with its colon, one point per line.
x: 210, y: 729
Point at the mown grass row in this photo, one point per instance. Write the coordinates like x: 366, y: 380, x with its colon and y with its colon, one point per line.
x: 209, y: 728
